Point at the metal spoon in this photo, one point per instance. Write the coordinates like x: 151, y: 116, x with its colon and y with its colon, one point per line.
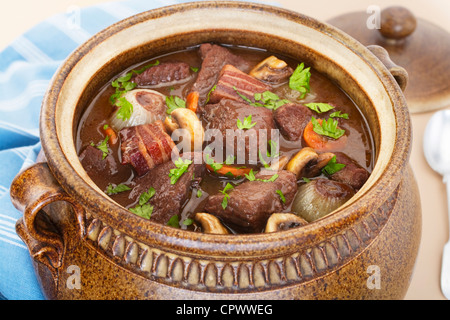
x: 437, y: 152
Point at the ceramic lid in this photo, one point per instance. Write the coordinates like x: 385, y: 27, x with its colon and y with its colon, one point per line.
x: 417, y: 45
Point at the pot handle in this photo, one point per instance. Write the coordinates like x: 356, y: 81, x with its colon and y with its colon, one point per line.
x: 399, y: 73
x: 31, y: 191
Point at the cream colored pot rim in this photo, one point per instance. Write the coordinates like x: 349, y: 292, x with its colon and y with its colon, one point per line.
x: 59, y: 105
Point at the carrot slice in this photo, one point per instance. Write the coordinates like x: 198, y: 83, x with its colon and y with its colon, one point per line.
x: 111, y: 133
x: 225, y: 170
x: 319, y: 142
x: 192, y: 101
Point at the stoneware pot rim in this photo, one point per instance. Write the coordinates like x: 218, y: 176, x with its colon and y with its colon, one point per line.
x: 177, y: 240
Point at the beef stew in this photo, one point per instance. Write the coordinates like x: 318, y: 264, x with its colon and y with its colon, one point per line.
x: 218, y: 138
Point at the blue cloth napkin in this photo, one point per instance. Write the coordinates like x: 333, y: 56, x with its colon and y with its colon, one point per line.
x: 26, y: 67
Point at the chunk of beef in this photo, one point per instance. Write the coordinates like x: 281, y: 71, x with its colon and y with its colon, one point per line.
x: 164, y: 73
x: 169, y: 198
x: 146, y: 146
x: 244, y: 144
x: 292, y: 119
x: 352, y: 174
x: 95, y: 165
x: 251, y: 203
x: 214, y: 58
x: 233, y: 83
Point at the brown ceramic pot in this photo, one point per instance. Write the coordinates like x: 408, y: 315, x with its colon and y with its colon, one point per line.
x: 85, y: 246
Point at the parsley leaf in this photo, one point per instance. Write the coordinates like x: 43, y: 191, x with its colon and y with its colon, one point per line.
x: 144, y: 209
x: 210, y: 161
x: 270, y: 100
x: 181, y: 167
x: 174, y: 102
x: 280, y: 193
x: 199, y: 193
x: 110, y: 190
x: 251, y: 177
x: 103, y: 147
x: 146, y: 196
x: 247, y: 124
x: 266, y: 99
x: 338, y: 114
x: 210, y: 91
x: 273, y: 150
x: 174, y: 221
x: 328, y: 128
x: 125, y: 109
x: 226, y: 196
x: 188, y: 222
x: 332, y: 166
x: 319, y: 107
x: 299, y: 80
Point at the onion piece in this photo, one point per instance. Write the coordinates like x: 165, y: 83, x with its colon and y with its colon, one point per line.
x: 148, y: 107
x: 319, y: 197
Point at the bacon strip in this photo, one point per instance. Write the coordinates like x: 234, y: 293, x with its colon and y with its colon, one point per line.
x: 146, y: 146
x: 230, y: 78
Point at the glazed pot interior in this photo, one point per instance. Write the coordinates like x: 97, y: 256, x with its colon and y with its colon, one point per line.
x: 161, y: 31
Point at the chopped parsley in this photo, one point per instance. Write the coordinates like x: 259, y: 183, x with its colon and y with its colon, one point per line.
x: 188, y: 222
x: 273, y: 150
x: 319, y: 107
x: 282, y: 197
x: 110, y: 190
x: 332, y: 166
x: 299, y: 80
x: 122, y: 86
x: 181, y: 167
x: 174, y: 102
x: 174, y: 221
x: 216, y: 165
x: 146, y: 196
x: 144, y: 209
x: 194, y: 69
x: 266, y: 99
x: 270, y: 100
x: 199, y: 193
x: 338, y: 114
x: 226, y: 196
x: 247, y: 124
x: 328, y: 128
x: 209, y: 93
x: 103, y: 147
x: 251, y: 177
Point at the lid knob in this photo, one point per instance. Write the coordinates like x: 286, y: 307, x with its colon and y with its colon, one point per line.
x: 397, y: 22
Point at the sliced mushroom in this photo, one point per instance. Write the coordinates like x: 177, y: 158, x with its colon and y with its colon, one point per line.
x: 170, y: 125
x: 272, y: 70
x: 279, y: 163
x: 148, y: 107
x: 192, y: 129
x: 210, y: 223
x: 301, y: 159
x: 283, y: 221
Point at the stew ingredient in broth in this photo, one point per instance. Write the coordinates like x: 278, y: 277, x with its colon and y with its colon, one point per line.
x: 224, y: 140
